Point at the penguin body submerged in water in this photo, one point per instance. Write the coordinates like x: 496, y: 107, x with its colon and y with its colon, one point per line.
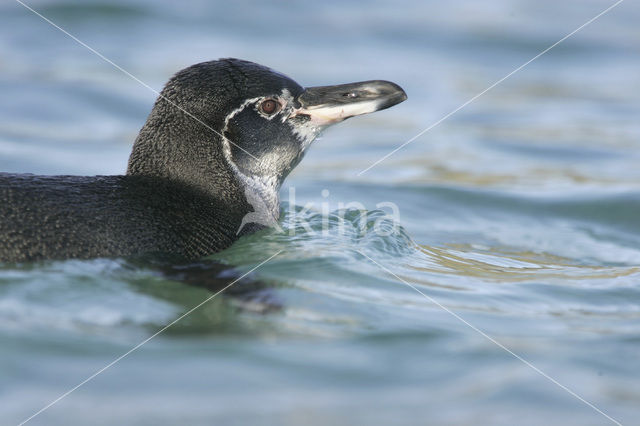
x: 220, y: 140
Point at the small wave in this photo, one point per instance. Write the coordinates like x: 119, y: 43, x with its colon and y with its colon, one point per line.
x: 85, y: 296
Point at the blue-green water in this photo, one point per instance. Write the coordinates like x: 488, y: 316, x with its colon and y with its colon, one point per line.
x: 520, y: 214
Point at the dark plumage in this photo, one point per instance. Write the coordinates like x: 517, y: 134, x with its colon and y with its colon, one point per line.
x: 187, y: 187
x: 48, y: 217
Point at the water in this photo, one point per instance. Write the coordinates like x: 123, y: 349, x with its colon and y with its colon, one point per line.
x: 518, y: 214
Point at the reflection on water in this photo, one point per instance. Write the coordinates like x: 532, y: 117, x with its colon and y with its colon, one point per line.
x: 501, y: 265
x: 519, y: 213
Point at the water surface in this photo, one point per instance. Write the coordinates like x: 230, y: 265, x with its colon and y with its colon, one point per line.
x: 518, y: 214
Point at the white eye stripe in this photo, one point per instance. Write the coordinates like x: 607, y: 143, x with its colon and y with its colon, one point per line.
x: 240, y: 109
x: 257, y: 102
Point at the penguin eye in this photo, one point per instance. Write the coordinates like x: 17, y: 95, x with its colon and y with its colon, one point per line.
x: 269, y: 106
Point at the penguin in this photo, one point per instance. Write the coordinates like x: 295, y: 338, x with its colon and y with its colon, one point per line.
x: 205, y: 169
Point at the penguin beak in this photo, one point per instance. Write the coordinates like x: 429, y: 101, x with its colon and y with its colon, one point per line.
x: 326, y: 105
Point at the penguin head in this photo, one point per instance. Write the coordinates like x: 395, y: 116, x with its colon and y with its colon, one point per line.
x: 234, y: 119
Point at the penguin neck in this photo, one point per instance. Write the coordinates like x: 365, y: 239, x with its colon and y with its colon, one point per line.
x: 181, y: 151
x: 212, y: 172
x: 261, y: 192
